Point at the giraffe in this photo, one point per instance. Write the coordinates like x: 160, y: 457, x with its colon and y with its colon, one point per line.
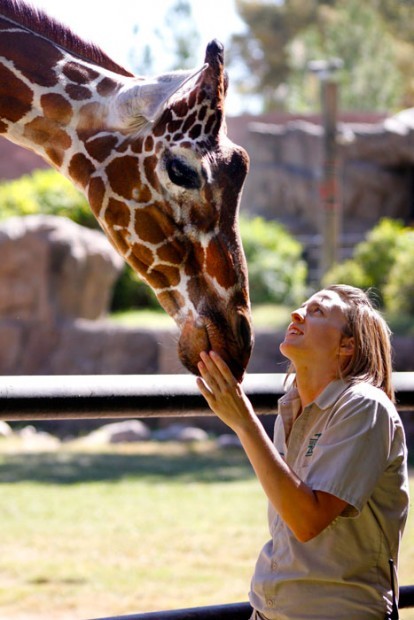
x: 154, y: 161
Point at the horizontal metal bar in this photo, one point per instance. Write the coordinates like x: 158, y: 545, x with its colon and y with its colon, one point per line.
x: 118, y: 396
x: 144, y: 396
x: 235, y: 611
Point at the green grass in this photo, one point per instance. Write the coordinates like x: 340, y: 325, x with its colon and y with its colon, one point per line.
x: 88, y: 534
x: 147, y: 528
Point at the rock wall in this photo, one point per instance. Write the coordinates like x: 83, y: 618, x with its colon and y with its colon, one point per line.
x: 375, y: 173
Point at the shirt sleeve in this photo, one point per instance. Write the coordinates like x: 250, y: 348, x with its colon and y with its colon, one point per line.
x: 353, y: 451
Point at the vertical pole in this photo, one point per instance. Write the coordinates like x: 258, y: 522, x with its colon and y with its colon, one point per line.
x: 329, y: 189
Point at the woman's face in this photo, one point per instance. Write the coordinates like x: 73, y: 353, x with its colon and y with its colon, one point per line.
x: 316, y: 333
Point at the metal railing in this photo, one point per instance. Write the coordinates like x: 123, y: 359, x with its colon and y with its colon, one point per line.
x: 143, y: 396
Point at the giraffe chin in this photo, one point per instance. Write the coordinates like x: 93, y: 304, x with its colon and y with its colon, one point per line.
x: 196, y: 338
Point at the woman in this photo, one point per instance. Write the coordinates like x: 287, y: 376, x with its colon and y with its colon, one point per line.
x: 336, y: 474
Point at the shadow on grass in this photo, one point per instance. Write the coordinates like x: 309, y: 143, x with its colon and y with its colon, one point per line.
x: 72, y: 468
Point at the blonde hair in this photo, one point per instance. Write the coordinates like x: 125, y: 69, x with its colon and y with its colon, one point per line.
x: 372, y: 356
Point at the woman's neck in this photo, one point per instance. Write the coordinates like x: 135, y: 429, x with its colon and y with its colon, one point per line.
x: 310, y: 385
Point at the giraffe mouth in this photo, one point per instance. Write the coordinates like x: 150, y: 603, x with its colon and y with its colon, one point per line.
x: 198, y: 336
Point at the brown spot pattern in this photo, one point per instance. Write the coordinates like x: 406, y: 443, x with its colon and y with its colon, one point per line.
x: 152, y: 225
x: 106, y: 87
x: 15, y: 97
x: 181, y: 108
x: 77, y: 92
x: 100, y: 148
x: 172, y: 252
x: 96, y: 194
x: 46, y: 133
x: 195, y: 132
x: 189, y: 121
x: 55, y: 156
x: 218, y: 263
x: 172, y: 301
x: 150, y: 164
x: 56, y: 108
x: 149, y: 143
x: 167, y: 274
x: 123, y: 175
x: 79, y: 73
x: 143, y: 254
x: 81, y: 168
x: 202, y: 113
x: 117, y: 213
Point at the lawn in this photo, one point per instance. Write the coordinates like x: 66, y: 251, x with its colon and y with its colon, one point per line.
x: 133, y: 528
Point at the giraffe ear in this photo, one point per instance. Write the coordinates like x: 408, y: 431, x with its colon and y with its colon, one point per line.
x: 145, y: 100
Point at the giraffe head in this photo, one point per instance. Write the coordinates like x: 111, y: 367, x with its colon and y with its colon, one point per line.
x: 152, y: 157
x: 176, y: 221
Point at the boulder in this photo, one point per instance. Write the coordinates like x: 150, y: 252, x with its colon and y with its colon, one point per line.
x: 127, y: 431
x: 180, y: 432
x: 53, y: 269
x: 5, y: 429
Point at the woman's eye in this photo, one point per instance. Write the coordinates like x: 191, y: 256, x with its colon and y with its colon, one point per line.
x: 181, y: 174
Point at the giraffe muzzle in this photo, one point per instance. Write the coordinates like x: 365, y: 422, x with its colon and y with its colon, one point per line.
x: 204, y: 335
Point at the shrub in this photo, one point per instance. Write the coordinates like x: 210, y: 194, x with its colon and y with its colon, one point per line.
x: 373, y: 259
x: 399, y: 289
x: 277, y: 272
x: 349, y: 272
x: 45, y: 192
x: 131, y: 292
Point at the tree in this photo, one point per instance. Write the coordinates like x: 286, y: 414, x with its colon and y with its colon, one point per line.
x: 372, y: 38
x: 264, y: 47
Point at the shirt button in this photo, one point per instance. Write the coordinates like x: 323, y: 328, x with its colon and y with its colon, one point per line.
x: 274, y: 565
x: 269, y: 602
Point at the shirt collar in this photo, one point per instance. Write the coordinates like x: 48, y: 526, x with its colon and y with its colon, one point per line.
x: 325, y: 399
x: 331, y: 393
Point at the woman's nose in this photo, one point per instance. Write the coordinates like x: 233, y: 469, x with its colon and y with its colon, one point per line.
x: 298, y: 315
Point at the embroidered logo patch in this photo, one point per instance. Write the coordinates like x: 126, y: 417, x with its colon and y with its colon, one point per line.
x: 312, y: 443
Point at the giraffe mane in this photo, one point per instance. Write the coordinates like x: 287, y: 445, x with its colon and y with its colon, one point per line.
x: 39, y: 22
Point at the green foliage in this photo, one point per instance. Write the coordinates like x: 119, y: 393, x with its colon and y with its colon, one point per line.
x: 356, y: 34
x: 348, y: 272
x: 399, y: 288
x: 131, y: 292
x: 378, y: 252
x: 385, y: 262
x: 277, y: 272
x: 44, y: 192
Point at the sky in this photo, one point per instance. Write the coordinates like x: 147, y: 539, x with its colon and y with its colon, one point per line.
x: 111, y: 26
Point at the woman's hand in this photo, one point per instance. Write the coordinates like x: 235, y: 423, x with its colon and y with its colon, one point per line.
x: 223, y: 394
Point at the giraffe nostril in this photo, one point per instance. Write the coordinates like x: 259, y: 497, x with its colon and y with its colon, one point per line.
x: 244, y: 332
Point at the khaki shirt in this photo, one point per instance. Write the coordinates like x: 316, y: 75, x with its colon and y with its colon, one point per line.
x: 349, y: 442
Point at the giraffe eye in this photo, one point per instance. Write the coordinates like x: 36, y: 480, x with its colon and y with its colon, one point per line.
x: 181, y: 174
